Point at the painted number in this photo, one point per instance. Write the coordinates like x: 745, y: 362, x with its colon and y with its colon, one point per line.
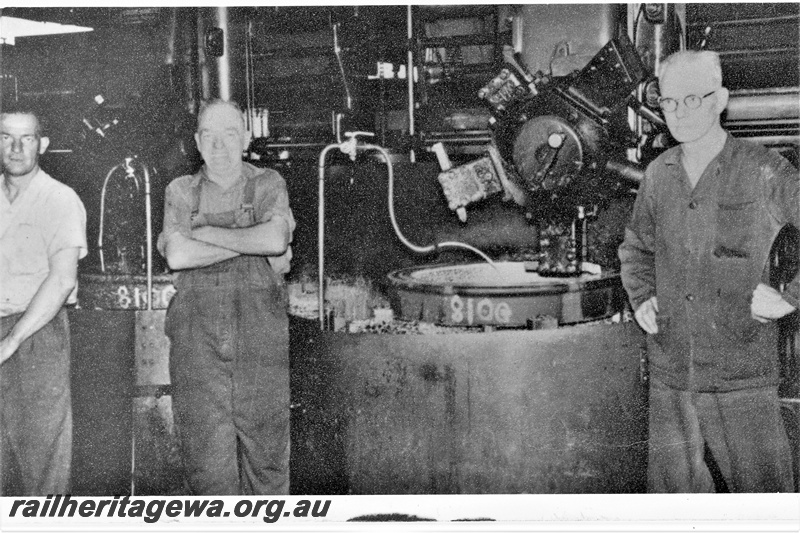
x: 166, y: 294
x: 139, y: 299
x: 483, y: 311
x: 123, y: 297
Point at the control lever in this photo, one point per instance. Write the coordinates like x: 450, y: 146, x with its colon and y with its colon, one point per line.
x: 555, y: 141
x: 515, y: 60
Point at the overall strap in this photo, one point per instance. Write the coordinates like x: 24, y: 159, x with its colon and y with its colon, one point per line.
x: 247, y: 199
x: 196, y: 191
x: 249, y: 193
x: 247, y: 210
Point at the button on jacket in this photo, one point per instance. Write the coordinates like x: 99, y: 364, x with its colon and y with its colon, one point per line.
x: 702, y: 252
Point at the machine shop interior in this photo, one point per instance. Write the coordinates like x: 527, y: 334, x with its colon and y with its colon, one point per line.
x: 449, y: 333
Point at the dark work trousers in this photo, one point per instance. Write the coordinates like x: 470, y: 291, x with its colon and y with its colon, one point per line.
x: 36, y: 409
x: 743, y: 430
x: 229, y: 366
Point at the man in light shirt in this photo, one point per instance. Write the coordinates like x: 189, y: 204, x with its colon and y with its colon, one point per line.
x: 42, y: 237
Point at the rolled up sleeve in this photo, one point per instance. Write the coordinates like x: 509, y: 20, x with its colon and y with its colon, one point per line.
x: 177, y: 212
x: 274, y: 203
x: 68, y: 229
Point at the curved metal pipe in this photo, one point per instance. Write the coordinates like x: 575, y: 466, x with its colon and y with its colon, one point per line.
x: 128, y: 165
x: 321, y: 234
x: 337, y: 51
x: 392, y: 217
x: 102, y: 216
x: 626, y: 170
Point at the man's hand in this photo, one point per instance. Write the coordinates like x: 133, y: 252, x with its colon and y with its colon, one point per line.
x: 646, y: 315
x: 161, y: 244
x: 768, y: 304
x: 7, y: 348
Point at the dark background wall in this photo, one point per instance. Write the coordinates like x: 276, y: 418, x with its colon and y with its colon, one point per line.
x: 139, y: 60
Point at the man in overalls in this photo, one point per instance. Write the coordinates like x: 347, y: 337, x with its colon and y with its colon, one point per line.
x: 226, y: 232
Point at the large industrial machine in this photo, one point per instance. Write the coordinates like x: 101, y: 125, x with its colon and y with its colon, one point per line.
x: 561, y: 148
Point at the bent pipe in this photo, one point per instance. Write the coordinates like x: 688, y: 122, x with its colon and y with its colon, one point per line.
x: 625, y: 171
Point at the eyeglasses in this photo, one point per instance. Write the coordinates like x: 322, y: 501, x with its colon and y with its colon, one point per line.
x: 692, y: 101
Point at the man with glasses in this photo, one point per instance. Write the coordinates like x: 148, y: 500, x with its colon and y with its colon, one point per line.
x: 695, y: 266
x: 42, y: 236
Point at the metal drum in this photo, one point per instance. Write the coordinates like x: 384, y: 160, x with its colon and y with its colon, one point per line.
x: 119, y: 347
x: 118, y: 292
x: 553, y: 411
x: 504, y: 295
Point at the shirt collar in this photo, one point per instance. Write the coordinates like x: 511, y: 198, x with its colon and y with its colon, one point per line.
x: 37, y: 182
x: 727, y: 151
x: 673, y: 157
x: 248, y: 171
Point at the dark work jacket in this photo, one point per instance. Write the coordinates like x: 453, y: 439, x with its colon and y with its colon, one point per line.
x: 702, y: 252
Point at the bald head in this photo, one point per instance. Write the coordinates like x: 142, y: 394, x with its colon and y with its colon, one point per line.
x: 218, y: 106
x: 221, y: 138
x: 692, y: 96
x: 704, y: 63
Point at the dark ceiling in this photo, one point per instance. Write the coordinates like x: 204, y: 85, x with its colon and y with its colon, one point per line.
x: 94, y: 17
x: 301, y: 18
x: 99, y: 17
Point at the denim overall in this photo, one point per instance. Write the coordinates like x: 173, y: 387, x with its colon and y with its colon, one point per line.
x: 229, y: 366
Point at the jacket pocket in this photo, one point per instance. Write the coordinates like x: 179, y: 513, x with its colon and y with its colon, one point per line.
x: 734, y: 293
x: 735, y: 224
x: 664, y: 330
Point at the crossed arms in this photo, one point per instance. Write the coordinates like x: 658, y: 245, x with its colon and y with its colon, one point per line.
x: 208, y: 244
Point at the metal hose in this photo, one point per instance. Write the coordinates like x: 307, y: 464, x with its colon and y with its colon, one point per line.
x: 102, y: 215
x: 128, y: 165
x: 392, y: 217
